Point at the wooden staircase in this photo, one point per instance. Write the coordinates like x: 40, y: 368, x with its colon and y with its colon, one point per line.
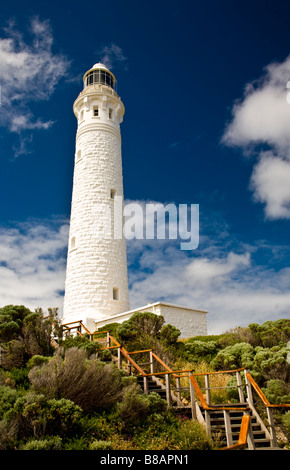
x: 234, y: 425
x: 217, y: 419
x: 218, y: 428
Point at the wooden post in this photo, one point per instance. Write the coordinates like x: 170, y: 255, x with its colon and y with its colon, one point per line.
x: 192, y: 398
x: 240, y: 387
x: 168, y: 395
x: 108, y: 340
x: 273, y: 438
x: 207, y: 389
x: 249, y: 389
x: 207, y: 422
x: 178, y: 388
x: 151, y: 362
x: 228, y: 428
x: 119, y: 363
x: 250, y: 437
x: 145, y: 380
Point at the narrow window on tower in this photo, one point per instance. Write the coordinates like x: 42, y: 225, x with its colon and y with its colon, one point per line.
x: 96, y: 111
x: 79, y: 155
x: 112, y: 193
x: 110, y: 113
x: 73, y: 243
x: 116, y: 293
x: 82, y: 116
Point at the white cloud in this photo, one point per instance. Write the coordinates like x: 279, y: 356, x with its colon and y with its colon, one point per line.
x: 112, y: 55
x: 262, y: 119
x: 230, y: 286
x: 271, y: 185
x: 29, y: 73
x: 204, y: 270
x: 32, y: 263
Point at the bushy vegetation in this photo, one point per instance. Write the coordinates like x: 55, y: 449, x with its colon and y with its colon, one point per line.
x: 64, y: 395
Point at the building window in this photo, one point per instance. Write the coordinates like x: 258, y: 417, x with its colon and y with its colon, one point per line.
x: 112, y: 193
x: 110, y: 113
x: 82, y: 115
x: 116, y: 293
x: 96, y: 111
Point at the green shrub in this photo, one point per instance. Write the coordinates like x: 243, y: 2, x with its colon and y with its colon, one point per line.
x: 8, y: 435
x: 76, y: 443
x: 62, y: 415
x: 50, y: 443
x: 238, y: 335
x: 156, y: 403
x: 19, y: 376
x: 196, y: 351
x: 271, y: 333
x: 105, y: 355
x: 101, y: 445
x: 8, y: 397
x: 37, y: 360
x: 191, y: 435
x: 81, y: 342
x: 89, y: 383
x: 277, y: 391
x: 35, y: 416
x: 286, y: 421
x: 234, y: 357
x: 24, y: 334
x: 134, y: 406
x: 169, y: 334
x: 146, y: 323
x: 111, y: 327
x: 271, y: 363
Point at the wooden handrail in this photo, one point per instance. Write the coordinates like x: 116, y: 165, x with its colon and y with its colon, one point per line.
x: 85, y: 328
x: 117, y: 344
x: 162, y: 363
x: 242, y: 442
x: 220, y: 372
x: 262, y: 396
x: 70, y: 323
x: 115, y: 341
x: 142, y: 351
x: 213, y: 407
x: 125, y: 353
x: 100, y: 332
x: 174, y: 373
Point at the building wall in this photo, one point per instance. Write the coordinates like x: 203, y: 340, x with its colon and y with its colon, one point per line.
x: 190, y: 322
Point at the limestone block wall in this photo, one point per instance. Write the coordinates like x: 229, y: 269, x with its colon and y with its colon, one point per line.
x: 190, y: 322
x: 96, y: 277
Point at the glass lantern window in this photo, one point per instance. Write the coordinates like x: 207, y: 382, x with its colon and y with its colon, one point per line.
x: 99, y: 77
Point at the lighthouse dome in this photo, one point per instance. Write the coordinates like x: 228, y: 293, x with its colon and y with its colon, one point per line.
x: 99, y: 65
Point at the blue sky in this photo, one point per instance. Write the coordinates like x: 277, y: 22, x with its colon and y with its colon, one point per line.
x: 207, y: 122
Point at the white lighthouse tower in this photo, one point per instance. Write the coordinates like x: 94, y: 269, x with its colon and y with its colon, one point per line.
x: 96, y: 285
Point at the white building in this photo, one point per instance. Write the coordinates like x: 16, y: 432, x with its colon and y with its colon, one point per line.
x: 96, y: 287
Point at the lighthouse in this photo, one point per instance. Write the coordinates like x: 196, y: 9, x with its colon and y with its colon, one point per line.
x: 96, y: 286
